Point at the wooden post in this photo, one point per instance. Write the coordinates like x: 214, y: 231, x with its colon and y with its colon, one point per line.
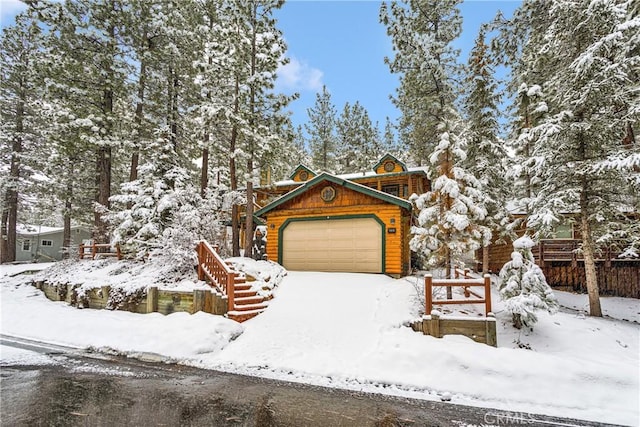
x: 541, y: 253
x: 490, y: 330
x: 152, y: 299
x: 230, y: 291
x: 80, y: 251
x: 434, y: 326
x: 93, y: 250
x: 200, y: 260
x: 118, y: 251
x: 487, y: 294
x: 199, y: 298
x: 428, y: 289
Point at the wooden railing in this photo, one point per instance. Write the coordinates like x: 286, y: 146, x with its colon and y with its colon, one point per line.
x: 213, y: 268
x: 430, y: 282
x: 98, y: 249
x: 567, y: 250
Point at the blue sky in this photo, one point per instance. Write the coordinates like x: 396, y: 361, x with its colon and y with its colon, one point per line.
x: 342, y: 45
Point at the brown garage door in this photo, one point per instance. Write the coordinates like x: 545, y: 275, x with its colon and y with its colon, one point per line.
x: 351, y: 245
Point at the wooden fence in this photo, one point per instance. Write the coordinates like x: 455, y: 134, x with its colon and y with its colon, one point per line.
x: 94, y: 250
x: 430, y: 282
x: 481, y: 330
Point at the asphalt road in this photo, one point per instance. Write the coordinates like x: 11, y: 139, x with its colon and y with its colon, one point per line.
x: 84, y: 389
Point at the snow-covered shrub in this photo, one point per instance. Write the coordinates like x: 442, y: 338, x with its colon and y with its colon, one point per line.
x: 523, y: 287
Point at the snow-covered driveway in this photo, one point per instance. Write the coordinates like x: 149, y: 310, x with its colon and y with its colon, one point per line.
x: 346, y: 330
x: 333, y: 322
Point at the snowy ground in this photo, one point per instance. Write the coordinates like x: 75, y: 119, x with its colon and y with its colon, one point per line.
x: 347, y: 330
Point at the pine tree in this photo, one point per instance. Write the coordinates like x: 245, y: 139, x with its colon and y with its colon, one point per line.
x: 486, y: 156
x: 358, y: 143
x: 321, y: 131
x: 588, y: 71
x: 523, y: 287
x: 421, y: 32
x: 450, y: 215
x: 20, y: 94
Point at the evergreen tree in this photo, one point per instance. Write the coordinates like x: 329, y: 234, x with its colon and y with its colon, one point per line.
x: 21, y: 134
x: 358, y: 143
x: 321, y: 131
x: 588, y: 71
x: 450, y: 215
x: 523, y: 287
x: 486, y: 156
x: 421, y: 32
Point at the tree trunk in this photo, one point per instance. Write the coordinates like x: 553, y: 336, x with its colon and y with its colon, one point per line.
x: 204, y: 177
x: 248, y: 246
x: 590, y: 267
x: 103, y: 174
x: 12, y: 189
x: 66, y: 234
x: 485, y: 260
x: 103, y: 154
x: 235, y: 220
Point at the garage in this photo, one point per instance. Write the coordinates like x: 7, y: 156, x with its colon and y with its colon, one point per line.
x: 340, y: 244
x: 332, y: 224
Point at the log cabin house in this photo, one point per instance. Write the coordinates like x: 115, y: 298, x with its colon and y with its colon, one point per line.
x: 353, y: 223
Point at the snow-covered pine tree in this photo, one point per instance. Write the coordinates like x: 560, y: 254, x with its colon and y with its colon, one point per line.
x: 486, y: 155
x: 161, y: 190
x: 20, y: 94
x: 321, y: 131
x: 421, y: 32
x: 358, y: 146
x: 588, y: 52
x: 523, y: 287
x: 450, y: 215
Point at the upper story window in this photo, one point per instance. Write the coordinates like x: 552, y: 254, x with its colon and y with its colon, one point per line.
x: 47, y: 243
x: 394, y: 190
x: 26, y: 245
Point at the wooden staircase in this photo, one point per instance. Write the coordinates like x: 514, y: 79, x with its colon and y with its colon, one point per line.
x: 243, y: 302
x: 246, y: 302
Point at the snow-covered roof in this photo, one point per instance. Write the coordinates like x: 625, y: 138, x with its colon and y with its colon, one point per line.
x: 356, y: 175
x: 37, y: 230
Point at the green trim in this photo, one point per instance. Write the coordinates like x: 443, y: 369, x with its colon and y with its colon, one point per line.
x: 334, y: 218
x: 299, y: 168
x: 339, y: 181
x: 390, y: 157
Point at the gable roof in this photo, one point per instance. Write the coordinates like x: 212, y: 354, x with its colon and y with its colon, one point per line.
x: 387, y: 157
x: 303, y: 168
x: 338, y: 181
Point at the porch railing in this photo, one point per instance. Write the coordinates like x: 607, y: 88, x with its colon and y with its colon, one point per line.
x: 568, y: 250
x: 212, y: 267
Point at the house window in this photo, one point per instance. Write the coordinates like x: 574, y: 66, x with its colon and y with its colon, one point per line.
x: 26, y: 245
x: 394, y: 190
x: 47, y: 243
x: 563, y: 231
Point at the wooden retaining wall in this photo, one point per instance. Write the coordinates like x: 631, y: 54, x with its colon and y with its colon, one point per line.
x: 153, y: 300
x: 482, y: 330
